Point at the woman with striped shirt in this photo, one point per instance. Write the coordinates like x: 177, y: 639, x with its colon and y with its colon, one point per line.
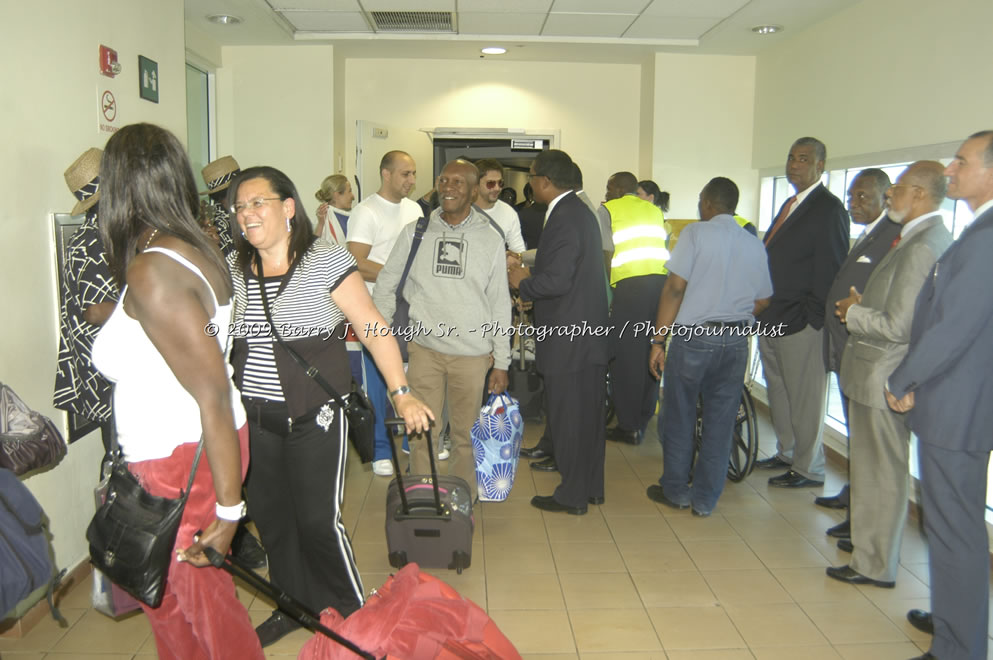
x: 297, y: 474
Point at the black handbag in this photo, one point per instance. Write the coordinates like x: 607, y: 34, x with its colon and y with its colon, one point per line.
x: 133, y: 533
x: 358, y: 408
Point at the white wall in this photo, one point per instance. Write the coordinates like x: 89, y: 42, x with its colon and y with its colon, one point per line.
x: 596, y: 106
x: 275, y: 107
x: 48, y: 115
x: 703, y: 122
x: 881, y: 75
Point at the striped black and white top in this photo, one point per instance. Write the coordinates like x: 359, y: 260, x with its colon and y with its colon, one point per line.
x: 302, y: 309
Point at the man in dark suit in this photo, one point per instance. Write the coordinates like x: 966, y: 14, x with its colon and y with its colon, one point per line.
x: 806, y: 243
x: 878, y: 321
x: 866, y: 200
x: 945, y: 384
x: 570, y: 307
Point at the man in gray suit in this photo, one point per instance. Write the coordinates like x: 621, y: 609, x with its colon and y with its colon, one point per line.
x: 866, y: 206
x: 945, y: 383
x: 879, y: 329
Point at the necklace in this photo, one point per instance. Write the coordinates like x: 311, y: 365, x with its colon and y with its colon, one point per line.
x: 149, y: 241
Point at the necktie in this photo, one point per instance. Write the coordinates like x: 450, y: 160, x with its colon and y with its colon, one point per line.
x: 781, y: 218
x: 895, y: 241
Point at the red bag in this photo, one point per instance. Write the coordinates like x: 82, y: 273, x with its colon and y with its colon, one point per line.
x: 414, y: 616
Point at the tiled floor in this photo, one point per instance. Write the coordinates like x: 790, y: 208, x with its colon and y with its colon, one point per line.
x: 630, y: 580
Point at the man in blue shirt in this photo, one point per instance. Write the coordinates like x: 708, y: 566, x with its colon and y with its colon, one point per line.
x: 718, y: 281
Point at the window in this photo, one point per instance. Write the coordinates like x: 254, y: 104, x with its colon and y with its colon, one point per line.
x: 198, y: 108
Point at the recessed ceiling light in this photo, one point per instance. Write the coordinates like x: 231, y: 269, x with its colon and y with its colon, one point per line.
x: 767, y: 29
x: 494, y: 50
x: 224, y: 19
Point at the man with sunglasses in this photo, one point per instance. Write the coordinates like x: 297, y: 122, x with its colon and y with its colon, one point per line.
x: 490, y: 185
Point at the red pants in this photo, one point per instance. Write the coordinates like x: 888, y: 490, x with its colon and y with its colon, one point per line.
x: 200, y: 616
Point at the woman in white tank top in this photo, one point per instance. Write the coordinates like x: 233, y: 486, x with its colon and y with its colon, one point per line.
x: 164, y: 348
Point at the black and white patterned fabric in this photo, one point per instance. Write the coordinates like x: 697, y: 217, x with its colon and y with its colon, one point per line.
x: 86, y: 281
x: 220, y: 218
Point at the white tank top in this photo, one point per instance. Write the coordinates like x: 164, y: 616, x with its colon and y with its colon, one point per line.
x: 154, y: 414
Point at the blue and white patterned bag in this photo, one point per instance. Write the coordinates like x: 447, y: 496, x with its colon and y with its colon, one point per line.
x: 496, y: 442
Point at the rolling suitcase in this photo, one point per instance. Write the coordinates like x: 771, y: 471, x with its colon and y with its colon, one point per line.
x: 429, y: 519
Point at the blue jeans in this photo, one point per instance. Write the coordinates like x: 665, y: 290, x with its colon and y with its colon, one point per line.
x: 375, y: 389
x: 711, y: 366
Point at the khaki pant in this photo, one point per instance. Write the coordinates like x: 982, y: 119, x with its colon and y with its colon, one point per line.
x: 436, y: 378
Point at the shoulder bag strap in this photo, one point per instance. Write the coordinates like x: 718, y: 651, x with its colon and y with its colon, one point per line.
x: 308, y: 369
x: 422, y: 226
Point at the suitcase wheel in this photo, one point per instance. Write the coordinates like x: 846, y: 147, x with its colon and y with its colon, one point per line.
x: 460, y: 560
x: 398, y: 559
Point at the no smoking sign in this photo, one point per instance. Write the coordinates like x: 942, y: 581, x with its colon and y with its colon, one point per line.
x: 108, y: 110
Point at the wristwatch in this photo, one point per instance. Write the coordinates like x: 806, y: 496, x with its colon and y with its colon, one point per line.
x: 403, y: 389
x: 231, y: 513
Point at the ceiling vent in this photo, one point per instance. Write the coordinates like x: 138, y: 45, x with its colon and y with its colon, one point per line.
x: 413, y: 21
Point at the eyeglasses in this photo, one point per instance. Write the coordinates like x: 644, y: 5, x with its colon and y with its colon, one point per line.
x: 255, y: 204
x: 533, y: 175
x: 494, y: 184
x: 904, y: 185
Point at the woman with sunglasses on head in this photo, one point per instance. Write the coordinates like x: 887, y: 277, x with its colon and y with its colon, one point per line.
x: 164, y: 348
x: 309, y: 289
x: 336, y: 197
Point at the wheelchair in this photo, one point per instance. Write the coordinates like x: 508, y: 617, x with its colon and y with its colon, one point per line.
x: 745, y: 435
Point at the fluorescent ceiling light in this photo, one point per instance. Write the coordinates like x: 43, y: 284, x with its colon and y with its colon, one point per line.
x: 494, y: 50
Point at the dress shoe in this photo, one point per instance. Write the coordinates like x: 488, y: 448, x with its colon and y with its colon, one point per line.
x: 793, y: 479
x: 618, y: 434
x: 248, y: 549
x: 535, y: 452
x: 548, y: 503
x: 921, y: 620
x: 276, y: 627
x: 597, y: 501
x: 546, y: 465
x: 656, y: 494
x: 851, y: 576
x: 834, y: 502
x: 842, y: 530
x: 845, y: 545
x: 772, y: 463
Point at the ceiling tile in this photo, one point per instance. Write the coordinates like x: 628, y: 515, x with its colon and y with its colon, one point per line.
x: 659, y: 27
x: 327, y: 21
x: 504, y: 6
x: 586, y: 25
x: 694, y: 8
x: 598, y: 6
x: 506, y: 24
x: 318, y: 5
x: 406, y: 5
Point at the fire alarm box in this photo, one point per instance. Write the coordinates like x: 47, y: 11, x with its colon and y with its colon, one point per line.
x: 108, y: 62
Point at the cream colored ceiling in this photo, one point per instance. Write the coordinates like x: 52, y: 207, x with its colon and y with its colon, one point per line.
x: 542, y: 30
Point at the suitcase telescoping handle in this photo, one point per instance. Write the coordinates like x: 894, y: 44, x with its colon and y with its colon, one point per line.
x: 397, y: 422
x: 284, y: 601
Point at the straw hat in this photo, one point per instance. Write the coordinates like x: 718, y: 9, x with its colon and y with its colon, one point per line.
x: 83, y: 179
x: 218, y: 174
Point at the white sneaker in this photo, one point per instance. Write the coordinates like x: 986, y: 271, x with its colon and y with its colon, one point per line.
x: 383, y: 468
x: 444, y: 454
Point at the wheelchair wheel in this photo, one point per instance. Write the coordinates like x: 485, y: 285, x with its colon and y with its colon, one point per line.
x: 745, y: 441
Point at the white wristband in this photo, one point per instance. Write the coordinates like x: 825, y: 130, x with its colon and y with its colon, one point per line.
x: 230, y: 513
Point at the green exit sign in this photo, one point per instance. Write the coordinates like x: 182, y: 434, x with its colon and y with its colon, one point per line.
x: 148, y: 79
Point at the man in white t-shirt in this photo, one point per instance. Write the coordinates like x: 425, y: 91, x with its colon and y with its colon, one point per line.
x: 488, y: 200
x: 373, y: 228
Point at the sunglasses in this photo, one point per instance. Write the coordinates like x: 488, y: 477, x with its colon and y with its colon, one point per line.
x: 494, y: 184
